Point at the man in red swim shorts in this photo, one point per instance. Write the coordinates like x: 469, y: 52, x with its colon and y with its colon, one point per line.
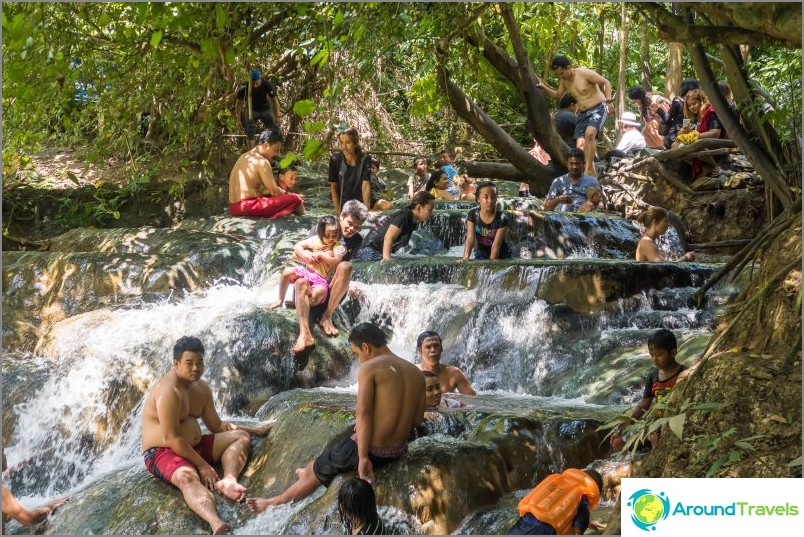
x: 253, y: 191
x: 173, y: 446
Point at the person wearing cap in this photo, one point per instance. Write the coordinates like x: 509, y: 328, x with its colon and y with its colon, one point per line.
x: 632, y: 139
x: 257, y: 101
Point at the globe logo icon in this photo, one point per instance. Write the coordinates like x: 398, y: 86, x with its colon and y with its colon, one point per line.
x: 648, y: 508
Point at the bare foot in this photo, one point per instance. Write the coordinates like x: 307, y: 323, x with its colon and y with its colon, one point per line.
x: 301, y: 344
x: 327, y: 326
x: 275, y: 305
x: 223, y: 529
x: 229, y: 487
x: 258, y: 505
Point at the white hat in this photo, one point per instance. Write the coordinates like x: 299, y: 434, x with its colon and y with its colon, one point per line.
x: 629, y: 118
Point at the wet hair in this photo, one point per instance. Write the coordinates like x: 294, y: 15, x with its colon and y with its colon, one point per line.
x: 424, y: 335
x: 663, y: 339
x: 485, y: 184
x: 566, y: 101
x: 687, y: 85
x: 418, y: 159
x: 352, y: 133
x: 187, y: 344
x: 449, y: 153
x: 355, y: 208
x: 639, y: 94
x: 429, y: 375
x: 725, y: 90
x: 559, y: 61
x: 593, y: 190
x: 594, y: 474
x: 356, y: 502
x: 697, y: 95
x: 270, y: 136
x: 368, y: 333
x: 575, y: 153
x: 434, y: 177
x: 651, y: 215
x: 420, y: 198
x: 324, y: 222
x: 374, y: 162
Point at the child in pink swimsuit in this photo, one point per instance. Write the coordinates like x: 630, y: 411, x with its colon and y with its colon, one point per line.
x: 320, y: 253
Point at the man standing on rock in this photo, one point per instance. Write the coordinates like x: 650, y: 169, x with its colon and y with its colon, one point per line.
x: 390, y: 401
x: 173, y: 446
x: 253, y: 191
x: 594, y: 105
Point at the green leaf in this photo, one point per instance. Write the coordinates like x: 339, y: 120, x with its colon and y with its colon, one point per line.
x: 744, y: 445
x: 716, y: 466
x: 305, y: 107
x: 676, y: 424
x: 320, y: 58
x: 795, y: 462
x: 314, y: 128
x: 116, y: 215
x: 311, y: 148
x: 220, y: 16
x: 156, y: 38
x: 734, y: 456
x: 287, y: 160
x: 72, y: 177
x: 358, y: 33
x: 338, y: 19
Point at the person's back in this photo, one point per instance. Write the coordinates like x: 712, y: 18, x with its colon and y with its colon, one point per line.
x: 398, y: 390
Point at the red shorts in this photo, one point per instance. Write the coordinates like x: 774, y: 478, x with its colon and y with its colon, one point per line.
x: 162, y: 462
x: 266, y: 207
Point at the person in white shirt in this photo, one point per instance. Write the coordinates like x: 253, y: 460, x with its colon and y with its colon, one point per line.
x: 632, y: 139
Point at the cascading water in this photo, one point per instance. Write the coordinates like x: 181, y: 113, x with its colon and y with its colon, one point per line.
x: 73, y: 417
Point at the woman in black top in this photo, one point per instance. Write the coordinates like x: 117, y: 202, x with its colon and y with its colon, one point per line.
x: 350, y: 171
x: 390, y: 233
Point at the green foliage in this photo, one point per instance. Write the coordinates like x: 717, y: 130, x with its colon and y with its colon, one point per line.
x: 735, y: 449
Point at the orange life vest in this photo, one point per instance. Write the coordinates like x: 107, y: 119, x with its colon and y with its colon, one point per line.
x: 555, y: 500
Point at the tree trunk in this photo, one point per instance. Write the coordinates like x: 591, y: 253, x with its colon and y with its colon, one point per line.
x: 621, y: 91
x: 645, y: 53
x: 773, y: 177
x: 672, y: 83
x: 539, y: 177
x: 601, y: 41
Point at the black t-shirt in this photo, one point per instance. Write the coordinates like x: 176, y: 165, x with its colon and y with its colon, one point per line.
x: 402, y: 219
x: 485, y: 233
x: 259, y: 95
x: 565, y: 125
x: 352, y: 244
x: 349, y: 178
x: 660, y: 389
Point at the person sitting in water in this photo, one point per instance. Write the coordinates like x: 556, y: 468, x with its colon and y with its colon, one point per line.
x: 253, y: 191
x: 656, y: 221
x: 390, y: 401
x: 486, y: 227
x: 321, y: 254
x: 437, y: 186
x: 391, y: 233
x: 27, y: 517
x: 378, y: 198
x: 592, y: 203
x: 434, y: 396
x: 173, y: 447
x: 357, y: 508
x: 560, y: 504
x: 451, y: 379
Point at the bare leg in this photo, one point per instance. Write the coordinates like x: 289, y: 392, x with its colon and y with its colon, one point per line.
x: 231, y: 448
x: 303, y: 297
x: 284, y: 281
x: 305, y: 485
x: 299, y: 209
x: 198, y: 498
x: 337, y: 290
x: 589, y: 150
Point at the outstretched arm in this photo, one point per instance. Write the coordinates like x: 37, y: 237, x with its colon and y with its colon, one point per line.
x: 470, y: 240
x: 496, y: 246
x: 14, y: 509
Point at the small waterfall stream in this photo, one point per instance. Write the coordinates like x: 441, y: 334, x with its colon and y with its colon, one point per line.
x: 554, y: 342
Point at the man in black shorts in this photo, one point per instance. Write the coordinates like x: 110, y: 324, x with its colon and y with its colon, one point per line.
x: 264, y: 106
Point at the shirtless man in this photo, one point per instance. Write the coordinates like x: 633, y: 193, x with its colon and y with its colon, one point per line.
x: 594, y: 105
x: 390, y: 401
x: 173, y: 446
x: 253, y: 191
x: 451, y: 379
